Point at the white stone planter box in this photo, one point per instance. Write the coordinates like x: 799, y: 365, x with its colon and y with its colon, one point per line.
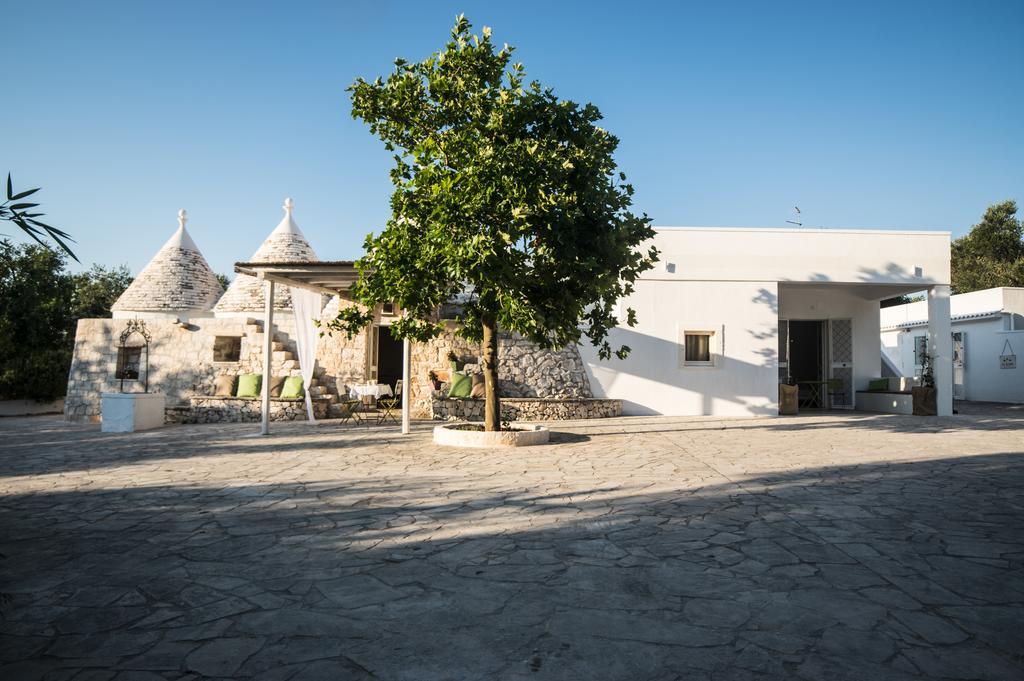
x: 885, y: 403
x: 128, y: 412
x: 520, y: 435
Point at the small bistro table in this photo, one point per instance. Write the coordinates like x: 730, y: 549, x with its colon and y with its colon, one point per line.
x: 370, y: 392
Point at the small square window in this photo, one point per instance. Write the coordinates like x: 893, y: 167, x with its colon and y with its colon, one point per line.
x: 698, y: 348
x: 129, y: 359
x: 387, y: 309
x: 227, y: 348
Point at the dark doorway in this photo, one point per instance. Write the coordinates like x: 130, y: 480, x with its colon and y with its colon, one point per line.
x: 807, y: 361
x: 389, y: 357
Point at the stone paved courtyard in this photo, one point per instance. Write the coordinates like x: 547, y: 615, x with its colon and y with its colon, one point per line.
x: 820, y: 547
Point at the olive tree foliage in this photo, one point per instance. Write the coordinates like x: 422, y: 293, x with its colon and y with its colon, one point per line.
x: 992, y: 253
x: 506, y: 197
x: 40, y: 305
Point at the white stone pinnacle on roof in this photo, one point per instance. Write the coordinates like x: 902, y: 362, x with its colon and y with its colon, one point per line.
x: 178, y: 278
x: 286, y: 243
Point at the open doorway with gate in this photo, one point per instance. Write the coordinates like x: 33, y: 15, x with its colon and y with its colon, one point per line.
x: 816, y: 355
x: 807, y: 361
x: 385, y: 356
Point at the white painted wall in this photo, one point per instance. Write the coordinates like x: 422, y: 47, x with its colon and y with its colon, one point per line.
x: 986, y: 339
x: 860, y: 256
x: 735, y: 281
x: 744, y: 380
x: 984, y: 380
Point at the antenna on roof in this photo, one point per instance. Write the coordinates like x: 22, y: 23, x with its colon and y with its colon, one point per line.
x: 797, y: 221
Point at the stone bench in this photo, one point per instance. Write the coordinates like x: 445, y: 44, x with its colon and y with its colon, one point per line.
x: 527, y: 409
x: 217, y: 409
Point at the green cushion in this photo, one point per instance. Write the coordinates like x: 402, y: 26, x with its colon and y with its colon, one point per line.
x: 878, y: 384
x: 462, y: 385
x: 249, y: 385
x: 292, y: 389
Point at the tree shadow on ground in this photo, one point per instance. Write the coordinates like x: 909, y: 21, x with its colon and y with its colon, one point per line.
x: 888, y: 570
x: 44, y: 445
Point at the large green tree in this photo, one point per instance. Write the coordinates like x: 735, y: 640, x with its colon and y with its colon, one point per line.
x: 40, y: 304
x: 95, y: 291
x: 992, y: 253
x: 505, y: 196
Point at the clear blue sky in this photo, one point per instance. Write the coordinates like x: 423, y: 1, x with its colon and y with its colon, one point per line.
x: 891, y: 114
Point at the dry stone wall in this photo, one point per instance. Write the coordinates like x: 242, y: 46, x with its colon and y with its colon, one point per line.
x: 181, y: 360
x: 524, y: 370
x: 526, y: 409
x: 248, y: 410
x: 181, y: 363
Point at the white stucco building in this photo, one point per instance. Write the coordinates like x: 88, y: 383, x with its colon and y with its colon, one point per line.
x: 987, y: 333
x: 730, y: 313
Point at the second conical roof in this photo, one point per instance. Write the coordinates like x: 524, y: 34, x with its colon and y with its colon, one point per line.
x: 286, y: 243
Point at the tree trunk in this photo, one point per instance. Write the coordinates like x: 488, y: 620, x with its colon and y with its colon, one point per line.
x: 492, y: 404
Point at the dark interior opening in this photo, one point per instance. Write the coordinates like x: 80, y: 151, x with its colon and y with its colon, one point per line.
x: 806, y: 360
x: 389, y: 357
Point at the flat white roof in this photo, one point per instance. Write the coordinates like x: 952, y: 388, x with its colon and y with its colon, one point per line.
x: 806, y: 230
x: 904, y: 258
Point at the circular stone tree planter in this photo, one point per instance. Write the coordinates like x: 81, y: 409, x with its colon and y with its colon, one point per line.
x: 474, y: 435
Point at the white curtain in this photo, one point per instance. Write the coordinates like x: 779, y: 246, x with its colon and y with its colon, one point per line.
x: 307, y: 306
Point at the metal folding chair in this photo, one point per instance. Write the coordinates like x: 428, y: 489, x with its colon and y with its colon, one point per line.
x: 389, y: 405
x: 836, y: 392
x: 352, y: 411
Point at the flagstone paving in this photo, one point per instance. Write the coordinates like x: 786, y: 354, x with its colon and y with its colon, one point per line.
x: 841, y: 546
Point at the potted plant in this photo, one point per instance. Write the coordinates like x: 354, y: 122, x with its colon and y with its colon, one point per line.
x: 924, y: 396
x: 434, y: 380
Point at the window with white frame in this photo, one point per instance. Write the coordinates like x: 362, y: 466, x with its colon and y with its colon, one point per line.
x: 697, y: 348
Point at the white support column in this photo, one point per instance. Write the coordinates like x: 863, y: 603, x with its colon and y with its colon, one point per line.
x: 268, y: 355
x: 940, y: 347
x: 406, y: 387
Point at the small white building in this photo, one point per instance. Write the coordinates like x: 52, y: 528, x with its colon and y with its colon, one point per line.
x: 987, y: 333
x: 728, y: 314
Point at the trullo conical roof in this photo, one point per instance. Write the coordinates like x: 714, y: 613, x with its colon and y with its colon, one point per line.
x: 285, y: 244
x: 177, y: 279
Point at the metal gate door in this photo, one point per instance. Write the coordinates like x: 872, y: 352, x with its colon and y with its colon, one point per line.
x: 840, y: 354
x: 783, y: 351
x: 959, y: 364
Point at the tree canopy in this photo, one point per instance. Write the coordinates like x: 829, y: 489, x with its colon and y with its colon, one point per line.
x: 506, y: 197
x: 992, y: 253
x: 40, y: 305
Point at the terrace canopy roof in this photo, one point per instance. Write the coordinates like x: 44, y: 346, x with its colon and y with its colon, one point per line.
x: 333, y: 277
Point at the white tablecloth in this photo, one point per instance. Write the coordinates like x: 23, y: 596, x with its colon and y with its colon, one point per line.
x: 374, y: 390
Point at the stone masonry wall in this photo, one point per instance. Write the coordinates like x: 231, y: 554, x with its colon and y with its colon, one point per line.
x: 181, y: 362
x: 524, y: 370
x: 527, y: 409
x: 247, y: 410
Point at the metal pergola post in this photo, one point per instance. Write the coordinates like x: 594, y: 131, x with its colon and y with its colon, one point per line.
x: 406, y: 355
x: 268, y: 355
